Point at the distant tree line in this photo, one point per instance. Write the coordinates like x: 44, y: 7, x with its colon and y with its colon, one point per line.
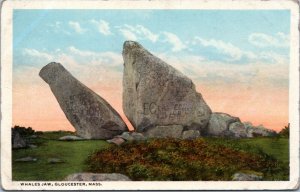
x: 25, y: 131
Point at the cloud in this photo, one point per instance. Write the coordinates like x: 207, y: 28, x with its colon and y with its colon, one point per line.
x: 264, y: 40
x: 103, y: 27
x: 129, y: 35
x: 177, y: 44
x: 137, y: 32
x: 226, y: 48
x: 104, y: 59
x: 56, y: 27
x: 76, y: 27
x: 37, y: 54
x: 218, y: 73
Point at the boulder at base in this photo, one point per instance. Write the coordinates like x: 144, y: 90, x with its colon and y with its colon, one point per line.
x: 170, y: 131
x: 156, y: 94
x: 90, y: 114
x: 97, y: 177
x: 224, y: 125
x: 258, y: 131
x: 190, y: 134
x: 70, y: 138
x: 255, y: 176
x: 17, y: 141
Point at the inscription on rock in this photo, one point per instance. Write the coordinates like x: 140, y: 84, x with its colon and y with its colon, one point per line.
x: 90, y: 114
x: 156, y: 94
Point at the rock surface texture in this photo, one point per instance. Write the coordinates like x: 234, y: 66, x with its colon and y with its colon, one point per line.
x: 246, y: 177
x: 70, y: 138
x: 17, y: 141
x: 224, y: 125
x: 91, y: 115
x: 156, y: 94
x: 168, y: 131
x: 97, y: 177
x: 256, y: 131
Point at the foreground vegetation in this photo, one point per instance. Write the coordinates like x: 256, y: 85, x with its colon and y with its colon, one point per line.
x: 201, y: 159
x: 181, y: 160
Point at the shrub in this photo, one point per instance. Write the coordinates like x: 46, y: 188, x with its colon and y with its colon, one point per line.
x: 285, y: 132
x: 183, y: 160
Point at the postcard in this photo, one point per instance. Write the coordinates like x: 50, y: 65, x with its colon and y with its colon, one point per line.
x: 149, y: 95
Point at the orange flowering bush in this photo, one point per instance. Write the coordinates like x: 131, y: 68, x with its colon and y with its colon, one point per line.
x: 184, y: 160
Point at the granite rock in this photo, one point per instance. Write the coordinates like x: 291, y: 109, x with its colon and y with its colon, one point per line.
x: 168, y: 131
x: 247, y: 177
x: 116, y: 140
x: 190, y: 134
x: 70, y: 138
x: 17, y: 140
x: 156, y: 94
x: 97, y: 177
x: 255, y: 131
x: 90, y: 114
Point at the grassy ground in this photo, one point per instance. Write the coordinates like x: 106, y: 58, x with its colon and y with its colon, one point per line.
x: 76, y: 153
x: 277, y: 147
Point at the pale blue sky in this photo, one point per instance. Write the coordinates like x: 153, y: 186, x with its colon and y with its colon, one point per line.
x: 227, y: 36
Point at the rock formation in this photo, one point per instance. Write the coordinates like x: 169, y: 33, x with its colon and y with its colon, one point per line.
x: 224, y: 125
x: 156, y: 94
x: 254, y: 131
x: 91, y: 115
x: 17, y: 141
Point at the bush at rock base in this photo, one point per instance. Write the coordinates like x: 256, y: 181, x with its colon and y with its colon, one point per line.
x: 179, y: 160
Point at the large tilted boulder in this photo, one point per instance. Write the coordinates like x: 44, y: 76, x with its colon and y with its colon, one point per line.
x: 156, y: 94
x: 91, y: 115
x: 224, y: 125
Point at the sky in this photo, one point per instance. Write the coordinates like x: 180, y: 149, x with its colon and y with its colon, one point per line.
x: 238, y: 59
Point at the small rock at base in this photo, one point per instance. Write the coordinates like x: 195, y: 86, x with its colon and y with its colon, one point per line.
x: 70, y: 138
x: 97, y: 177
x: 126, y: 136
x: 190, y: 134
x: 26, y: 159
x: 32, y: 146
x: 246, y: 177
x: 138, y: 136
x: 166, y: 131
x: 116, y: 140
x: 55, y: 160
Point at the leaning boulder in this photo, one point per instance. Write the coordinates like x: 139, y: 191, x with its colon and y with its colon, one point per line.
x: 156, y: 94
x: 90, y: 114
x: 97, y: 177
x: 225, y: 125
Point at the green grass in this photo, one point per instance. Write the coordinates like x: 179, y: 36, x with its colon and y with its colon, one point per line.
x: 74, y: 153
x: 276, y: 147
